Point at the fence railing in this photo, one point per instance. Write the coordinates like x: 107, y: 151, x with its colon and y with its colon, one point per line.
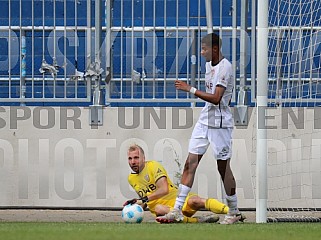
x: 59, y: 51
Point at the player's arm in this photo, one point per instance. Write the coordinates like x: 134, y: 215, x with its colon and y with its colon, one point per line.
x: 161, y: 189
x: 214, y: 98
x: 140, y: 201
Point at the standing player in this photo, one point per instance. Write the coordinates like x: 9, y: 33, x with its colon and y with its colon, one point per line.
x: 151, y: 182
x: 214, y: 127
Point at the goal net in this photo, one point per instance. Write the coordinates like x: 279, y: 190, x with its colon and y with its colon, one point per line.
x: 294, y: 98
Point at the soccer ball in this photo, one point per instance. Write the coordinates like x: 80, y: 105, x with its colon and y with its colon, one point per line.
x: 132, y: 213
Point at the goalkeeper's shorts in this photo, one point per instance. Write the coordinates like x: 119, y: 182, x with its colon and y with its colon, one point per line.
x: 187, y: 210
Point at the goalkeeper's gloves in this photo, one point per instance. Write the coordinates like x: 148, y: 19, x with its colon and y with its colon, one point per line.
x: 138, y: 201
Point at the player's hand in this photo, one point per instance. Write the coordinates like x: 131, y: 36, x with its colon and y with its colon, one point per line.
x: 181, y: 85
x: 139, y: 201
x: 131, y: 201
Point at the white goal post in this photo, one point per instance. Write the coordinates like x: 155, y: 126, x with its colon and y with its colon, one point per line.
x: 262, y: 74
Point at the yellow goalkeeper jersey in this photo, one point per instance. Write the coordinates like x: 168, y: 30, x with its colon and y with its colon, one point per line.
x: 144, y: 183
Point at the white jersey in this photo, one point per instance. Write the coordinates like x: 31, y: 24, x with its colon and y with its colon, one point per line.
x: 218, y: 116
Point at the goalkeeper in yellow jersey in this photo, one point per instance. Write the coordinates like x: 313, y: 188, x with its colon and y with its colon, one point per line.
x: 155, y: 189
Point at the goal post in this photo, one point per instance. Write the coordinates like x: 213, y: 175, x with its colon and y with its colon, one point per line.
x: 262, y: 83
x: 288, y: 168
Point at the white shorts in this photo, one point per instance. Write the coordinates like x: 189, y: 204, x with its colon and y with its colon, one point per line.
x: 220, y: 140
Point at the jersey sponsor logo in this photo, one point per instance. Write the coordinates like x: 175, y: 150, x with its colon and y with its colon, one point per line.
x: 209, y: 85
x: 159, y: 171
x: 147, y: 189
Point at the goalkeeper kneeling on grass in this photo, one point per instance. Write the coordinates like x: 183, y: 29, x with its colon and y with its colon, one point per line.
x: 155, y: 189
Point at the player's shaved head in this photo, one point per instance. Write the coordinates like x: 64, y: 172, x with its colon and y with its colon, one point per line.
x: 135, y: 147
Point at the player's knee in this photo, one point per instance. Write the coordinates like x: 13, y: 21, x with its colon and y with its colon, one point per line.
x: 158, y: 210
x: 195, y: 203
x: 223, y: 168
x: 161, y: 210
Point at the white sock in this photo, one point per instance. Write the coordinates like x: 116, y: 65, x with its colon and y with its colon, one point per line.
x: 232, y: 204
x: 181, y: 196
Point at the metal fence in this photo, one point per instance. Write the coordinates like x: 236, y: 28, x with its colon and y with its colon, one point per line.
x: 156, y: 42
x: 43, y: 54
x: 103, y: 52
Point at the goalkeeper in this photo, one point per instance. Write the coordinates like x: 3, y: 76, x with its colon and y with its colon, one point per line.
x: 151, y: 182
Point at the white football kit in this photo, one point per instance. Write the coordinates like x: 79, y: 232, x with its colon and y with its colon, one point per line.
x: 215, y: 124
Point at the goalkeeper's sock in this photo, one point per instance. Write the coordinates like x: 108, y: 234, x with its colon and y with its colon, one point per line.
x: 232, y: 203
x: 183, y: 191
x: 190, y: 220
x: 216, y: 206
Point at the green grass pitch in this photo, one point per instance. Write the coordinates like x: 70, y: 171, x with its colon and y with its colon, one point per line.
x: 154, y: 231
